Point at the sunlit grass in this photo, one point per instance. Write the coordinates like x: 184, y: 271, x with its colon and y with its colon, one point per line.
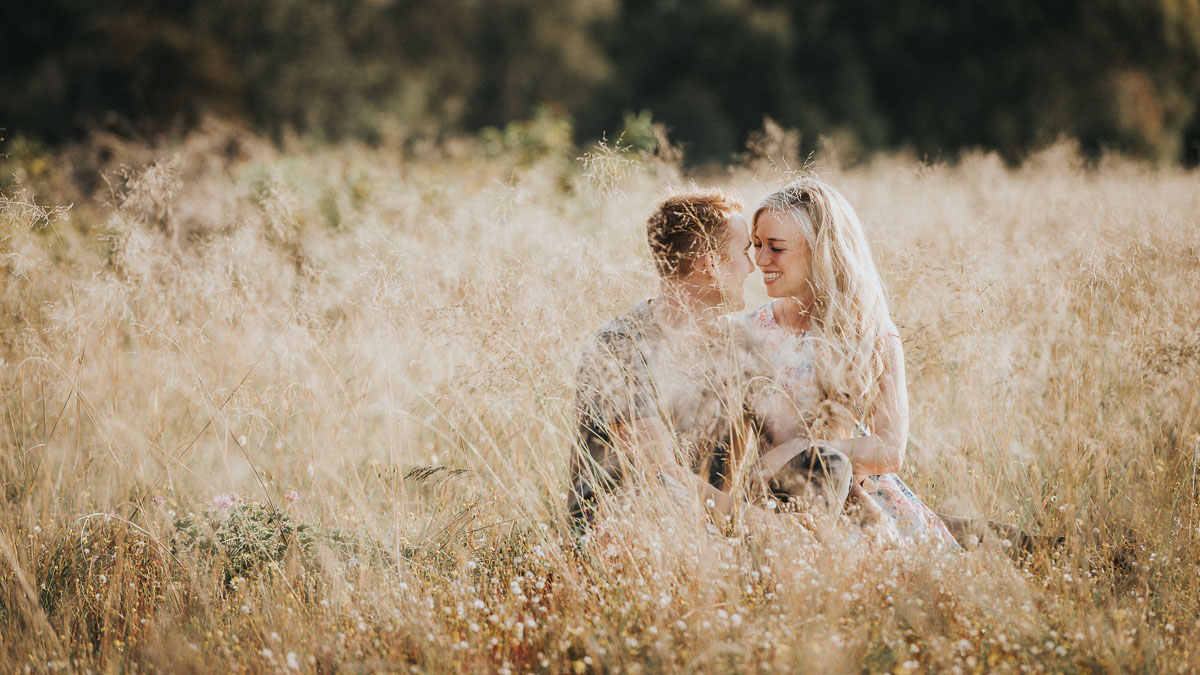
x: 312, y: 410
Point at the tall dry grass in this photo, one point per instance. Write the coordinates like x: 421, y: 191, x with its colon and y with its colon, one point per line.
x: 367, y: 357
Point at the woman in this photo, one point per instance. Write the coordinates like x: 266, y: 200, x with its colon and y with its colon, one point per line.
x: 835, y: 349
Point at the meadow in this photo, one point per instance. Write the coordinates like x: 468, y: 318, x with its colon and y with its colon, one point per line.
x: 309, y: 407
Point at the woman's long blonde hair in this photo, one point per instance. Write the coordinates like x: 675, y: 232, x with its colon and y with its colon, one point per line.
x: 850, y: 316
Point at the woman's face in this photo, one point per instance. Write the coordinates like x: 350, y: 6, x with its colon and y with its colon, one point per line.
x: 783, y: 256
x: 734, y: 266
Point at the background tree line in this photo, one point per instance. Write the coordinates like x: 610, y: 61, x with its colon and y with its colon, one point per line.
x: 935, y: 76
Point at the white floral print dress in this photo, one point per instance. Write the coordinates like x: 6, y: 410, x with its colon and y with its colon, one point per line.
x: 792, y: 356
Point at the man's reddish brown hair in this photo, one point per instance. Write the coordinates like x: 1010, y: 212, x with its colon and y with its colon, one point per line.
x: 688, y: 225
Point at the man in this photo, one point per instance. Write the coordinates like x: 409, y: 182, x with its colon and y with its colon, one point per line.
x: 672, y: 393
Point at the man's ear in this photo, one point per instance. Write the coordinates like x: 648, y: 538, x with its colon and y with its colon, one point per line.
x: 706, y: 265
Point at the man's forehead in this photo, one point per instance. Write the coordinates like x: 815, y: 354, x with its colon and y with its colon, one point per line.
x: 737, y: 227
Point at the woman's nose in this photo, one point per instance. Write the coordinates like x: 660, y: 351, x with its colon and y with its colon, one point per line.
x: 760, y: 255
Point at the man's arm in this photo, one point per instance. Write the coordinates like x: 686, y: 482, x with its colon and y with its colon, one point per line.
x: 790, y: 462
x: 648, y: 444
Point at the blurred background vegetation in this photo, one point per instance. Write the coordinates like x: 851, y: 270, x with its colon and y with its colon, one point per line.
x: 928, y: 76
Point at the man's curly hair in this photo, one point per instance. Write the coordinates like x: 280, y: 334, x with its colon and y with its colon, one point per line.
x: 688, y: 225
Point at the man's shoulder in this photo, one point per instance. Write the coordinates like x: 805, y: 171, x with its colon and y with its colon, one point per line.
x: 633, y: 320
x: 623, y: 329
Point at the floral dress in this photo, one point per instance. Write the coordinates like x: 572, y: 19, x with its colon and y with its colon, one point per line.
x: 792, y: 356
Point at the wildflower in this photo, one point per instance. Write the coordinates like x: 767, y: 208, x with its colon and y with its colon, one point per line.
x: 159, y: 500
x: 292, y: 496
x: 224, y: 501
x: 292, y: 661
x: 267, y: 653
x: 245, y: 609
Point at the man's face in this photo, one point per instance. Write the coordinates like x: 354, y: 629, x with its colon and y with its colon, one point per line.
x: 733, y: 265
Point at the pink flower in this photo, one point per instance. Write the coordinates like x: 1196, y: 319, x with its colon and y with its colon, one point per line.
x: 224, y: 501
x: 159, y: 501
x: 292, y: 495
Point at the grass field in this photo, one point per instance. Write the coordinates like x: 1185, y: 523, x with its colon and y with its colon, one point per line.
x: 310, y: 410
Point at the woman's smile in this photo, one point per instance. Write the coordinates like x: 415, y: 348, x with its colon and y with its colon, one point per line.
x: 782, y: 254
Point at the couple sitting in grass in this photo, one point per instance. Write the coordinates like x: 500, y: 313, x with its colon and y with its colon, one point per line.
x: 801, y: 402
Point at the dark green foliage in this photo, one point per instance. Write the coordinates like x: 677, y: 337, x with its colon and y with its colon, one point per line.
x: 932, y: 75
x: 252, y: 539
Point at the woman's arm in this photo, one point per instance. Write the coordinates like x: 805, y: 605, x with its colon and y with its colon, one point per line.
x: 883, y: 451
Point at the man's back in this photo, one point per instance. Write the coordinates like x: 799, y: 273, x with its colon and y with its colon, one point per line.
x: 704, y: 387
